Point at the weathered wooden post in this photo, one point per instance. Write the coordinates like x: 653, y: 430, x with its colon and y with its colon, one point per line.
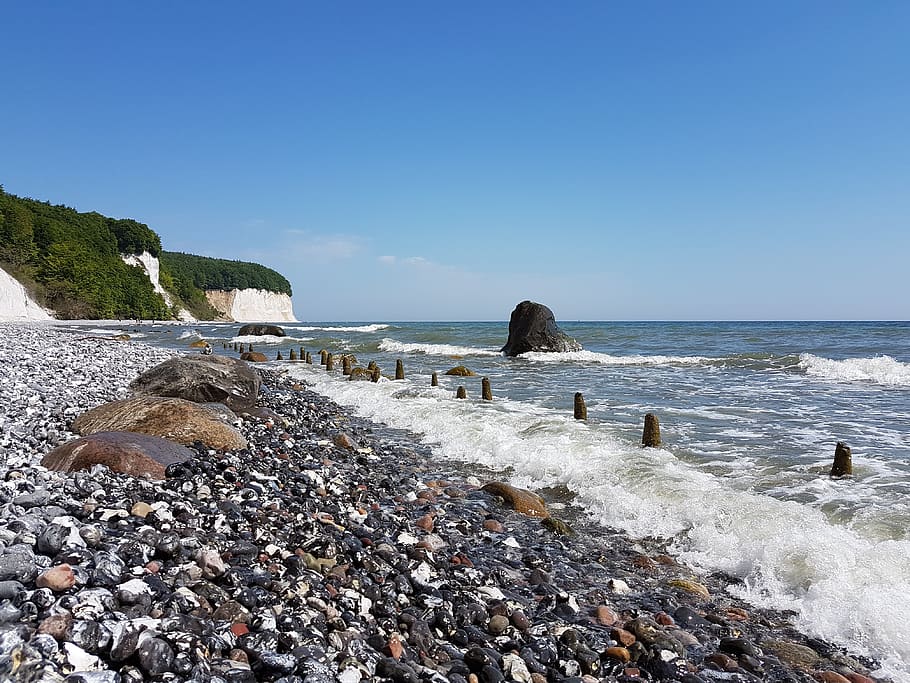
x: 241, y: 347
x: 461, y: 393
x: 323, y: 353
x: 372, y: 366
x: 375, y: 373
x: 250, y: 347
x: 279, y: 356
x: 345, y: 365
x: 302, y: 353
x: 843, y: 460
x: 399, y: 369
x: 235, y: 346
x: 485, y: 391
x: 581, y: 410
x: 293, y: 355
x: 434, y: 380
x: 309, y: 358
x: 650, y: 437
x: 329, y: 362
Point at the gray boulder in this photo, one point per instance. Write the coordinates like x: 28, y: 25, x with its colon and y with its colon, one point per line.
x: 202, y: 379
x: 259, y: 330
x: 532, y: 327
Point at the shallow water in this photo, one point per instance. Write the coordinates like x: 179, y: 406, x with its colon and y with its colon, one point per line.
x: 750, y: 414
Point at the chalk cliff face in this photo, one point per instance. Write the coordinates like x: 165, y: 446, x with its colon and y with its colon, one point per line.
x: 150, y: 265
x: 15, y: 303
x: 252, y: 305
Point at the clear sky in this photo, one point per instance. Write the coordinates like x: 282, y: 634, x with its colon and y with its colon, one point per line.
x: 443, y: 161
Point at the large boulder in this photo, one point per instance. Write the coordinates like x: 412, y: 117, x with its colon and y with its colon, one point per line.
x: 138, y: 455
x: 532, y: 327
x: 170, y: 418
x: 202, y: 379
x: 259, y: 330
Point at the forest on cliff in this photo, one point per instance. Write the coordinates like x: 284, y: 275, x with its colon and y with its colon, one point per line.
x: 70, y: 262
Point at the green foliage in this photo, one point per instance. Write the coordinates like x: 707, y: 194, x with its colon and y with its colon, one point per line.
x: 201, y: 272
x: 71, y: 263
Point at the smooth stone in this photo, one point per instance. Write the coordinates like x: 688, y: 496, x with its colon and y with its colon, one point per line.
x: 156, y: 656
x: 521, y: 500
x: 17, y: 563
x: 202, y: 379
x: 58, y: 579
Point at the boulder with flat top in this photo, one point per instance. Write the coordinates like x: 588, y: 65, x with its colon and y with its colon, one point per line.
x: 202, y: 379
x: 532, y: 327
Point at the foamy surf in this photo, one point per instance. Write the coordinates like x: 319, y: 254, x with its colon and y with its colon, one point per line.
x: 366, y: 329
x: 609, y: 359
x: 883, y: 370
x: 392, y: 346
x: 843, y: 586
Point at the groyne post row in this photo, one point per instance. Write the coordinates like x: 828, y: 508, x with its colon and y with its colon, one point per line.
x: 650, y: 438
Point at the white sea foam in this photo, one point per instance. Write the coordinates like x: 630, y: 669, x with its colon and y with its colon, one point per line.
x: 609, y: 359
x: 844, y: 586
x: 393, y: 346
x: 187, y: 334
x: 880, y: 369
x: 268, y: 339
x: 375, y: 327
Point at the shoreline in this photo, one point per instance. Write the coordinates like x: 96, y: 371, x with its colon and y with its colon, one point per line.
x: 347, y: 557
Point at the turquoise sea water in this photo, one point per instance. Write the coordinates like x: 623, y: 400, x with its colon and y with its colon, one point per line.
x: 750, y: 415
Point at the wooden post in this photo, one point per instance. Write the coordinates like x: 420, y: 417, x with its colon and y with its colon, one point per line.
x: 241, y: 347
x: 235, y: 346
x: 650, y: 437
x: 375, y: 373
x: 843, y: 460
x: 279, y: 356
x: 399, y: 369
x: 302, y: 353
x: 250, y: 347
x: 434, y: 380
x: 329, y: 362
x: 345, y: 365
x: 372, y: 366
x: 581, y: 410
x: 293, y: 355
x: 309, y: 358
x: 485, y: 391
x: 461, y: 393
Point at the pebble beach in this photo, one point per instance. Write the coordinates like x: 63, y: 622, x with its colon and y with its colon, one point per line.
x: 331, y: 549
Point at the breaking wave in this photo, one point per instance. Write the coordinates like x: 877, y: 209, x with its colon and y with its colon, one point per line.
x: 392, y: 346
x: 375, y: 327
x: 883, y: 370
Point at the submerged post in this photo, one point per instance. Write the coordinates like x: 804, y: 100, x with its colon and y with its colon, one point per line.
x: 581, y: 410
x: 843, y: 460
x: 434, y: 380
x: 279, y: 356
x: 250, y: 347
x: 375, y: 373
x: 485, y: 391
x: 345, y: 365
x: 399, y: 369
x: 461, y: 393
x: 329, y: 362
x: 235, y: 346
x: 241, y: 347
x: 293, y: 355
x: 309, y: 358
x: 302, y: 353
x: 650, y: 437
x: 323, y: 353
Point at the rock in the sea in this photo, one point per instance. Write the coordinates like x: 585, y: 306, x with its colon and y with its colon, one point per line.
x: 532, y: 327
x: 461, y: 371
x: 521, y: 500
x: 138, y: 455
x: 253, y: 357
x: 259, y: 330
x: 202, y: 379
x: 170, y: 418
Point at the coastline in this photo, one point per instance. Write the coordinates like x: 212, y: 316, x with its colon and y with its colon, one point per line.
x: 407, y: 552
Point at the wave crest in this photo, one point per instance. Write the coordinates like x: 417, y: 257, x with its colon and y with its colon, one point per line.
x: 609, y: 359
x: 374, y: 327
x: 393, y: 346
x: 883, y: 370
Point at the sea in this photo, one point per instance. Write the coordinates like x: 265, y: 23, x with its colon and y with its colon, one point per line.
x: 750, y: 415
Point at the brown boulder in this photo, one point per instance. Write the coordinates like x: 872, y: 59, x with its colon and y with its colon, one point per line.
x: 138, y: 455
x: 253, y: 357
x: 202, y: 379
x: 521, y: 500
x: 461, y: 371
x: 199, y: 344
x: 170, y: 418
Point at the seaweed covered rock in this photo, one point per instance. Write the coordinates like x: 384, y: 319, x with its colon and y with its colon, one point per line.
x: 461, y: 371
x: 532, y: 327
x: 202, y: 379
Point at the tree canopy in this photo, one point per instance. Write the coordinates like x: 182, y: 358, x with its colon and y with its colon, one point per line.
x: 215, y: 273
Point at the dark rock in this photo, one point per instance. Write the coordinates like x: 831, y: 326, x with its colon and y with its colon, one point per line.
x: 170, y: 418
x: 17, y: 563
x: 138, y: 455
x: 202, y: 379
x: 532, y: 327
x: 156, y: 656
x: 260, y: 330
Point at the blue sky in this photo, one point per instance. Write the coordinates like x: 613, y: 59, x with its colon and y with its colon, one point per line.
x: 430, y: 161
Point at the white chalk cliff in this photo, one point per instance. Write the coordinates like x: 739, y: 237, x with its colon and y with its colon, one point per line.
x: 15, y: 303
x: 253, y: 305
x: 152, y: 268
